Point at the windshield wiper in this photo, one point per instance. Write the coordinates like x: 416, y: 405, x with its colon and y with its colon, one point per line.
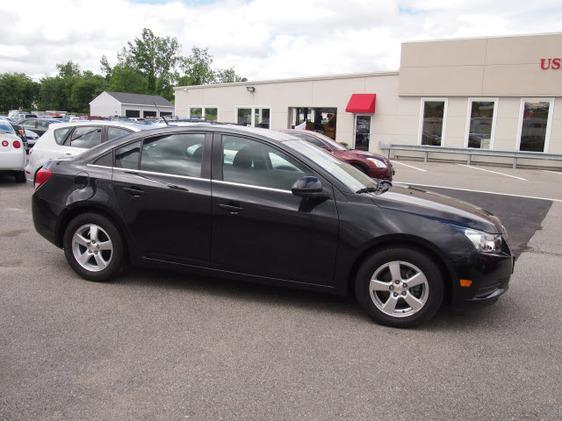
x: 381, y: 187
x: 369, y: 189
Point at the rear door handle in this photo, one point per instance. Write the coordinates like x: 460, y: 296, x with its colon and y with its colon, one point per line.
x: 230, y: 208
x: 134, y: 191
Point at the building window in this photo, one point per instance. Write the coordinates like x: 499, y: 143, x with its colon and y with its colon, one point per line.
x: 319, y: 119
x: 204, y: 113
x: 132, y: 113
x: 481, y: 123
x: 196, y: 112
x: 149, y: 114
x: 254, y: 117
x: 535, y: 124
x: 432, y: 130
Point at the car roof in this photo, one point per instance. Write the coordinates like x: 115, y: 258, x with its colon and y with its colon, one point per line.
x: 123, y: 124
x: 231, y: 127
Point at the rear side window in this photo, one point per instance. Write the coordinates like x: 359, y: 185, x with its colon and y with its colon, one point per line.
x: 178, y: 154
x: 116, y: 132
x: 128, y: 156
x: 60, y: 134
x: 85, y: 137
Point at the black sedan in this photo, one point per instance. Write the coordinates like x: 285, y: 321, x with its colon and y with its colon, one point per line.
x: 263, y: 206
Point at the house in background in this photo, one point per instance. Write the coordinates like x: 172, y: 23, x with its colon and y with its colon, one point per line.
x: 123, y: 104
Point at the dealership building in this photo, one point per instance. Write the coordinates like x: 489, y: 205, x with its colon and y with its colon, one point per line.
x: 497, y: 94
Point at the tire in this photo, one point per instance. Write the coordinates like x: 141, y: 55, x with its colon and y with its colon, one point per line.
x: 397, y: 304
x: 20, y: 177
x: 102, y: 260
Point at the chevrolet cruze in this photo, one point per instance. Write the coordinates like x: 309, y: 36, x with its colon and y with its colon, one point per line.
x: 263, y: 206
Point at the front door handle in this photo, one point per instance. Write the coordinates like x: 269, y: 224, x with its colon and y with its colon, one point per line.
x: 176, y: 187
x: 134, y: 191
x: 232, y: 209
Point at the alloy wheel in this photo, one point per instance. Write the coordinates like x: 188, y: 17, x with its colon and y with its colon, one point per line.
x: 399, y: 289
x: 92, y: 247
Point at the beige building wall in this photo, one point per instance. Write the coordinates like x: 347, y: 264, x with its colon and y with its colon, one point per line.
x: 502, y: 66
x: 395, y: 119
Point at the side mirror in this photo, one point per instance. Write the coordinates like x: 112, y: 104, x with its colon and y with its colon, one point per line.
x: 308, y: 186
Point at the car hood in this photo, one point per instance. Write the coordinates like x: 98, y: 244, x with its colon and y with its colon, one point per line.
x: 356, y: 153
x: 440, y: 207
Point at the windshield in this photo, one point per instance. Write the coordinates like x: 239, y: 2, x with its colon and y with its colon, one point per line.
x: 6, y: 127
x: 354, y: 179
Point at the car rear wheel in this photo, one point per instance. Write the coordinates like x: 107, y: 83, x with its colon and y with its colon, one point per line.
x: 93, y: 247
x: 400, y: 287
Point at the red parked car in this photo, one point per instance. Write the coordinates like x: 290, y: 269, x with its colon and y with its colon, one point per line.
x: 372, y: 164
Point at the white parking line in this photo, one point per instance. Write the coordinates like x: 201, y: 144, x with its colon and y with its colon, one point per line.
x: 493, y: 172
x: 554, y: 172
x: 478, y: 191
x: 409, y: 166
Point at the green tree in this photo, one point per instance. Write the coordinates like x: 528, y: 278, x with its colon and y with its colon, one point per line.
x: 197, y: 68
x: 228, y: 76
x: 156, y: 58
x: 52, y: 94
x: 17, y: 90
x: 84, y: 89
x: 126, y: 79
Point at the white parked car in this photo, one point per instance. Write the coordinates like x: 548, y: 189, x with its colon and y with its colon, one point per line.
x: 12, y: 152
x: 72, y: 139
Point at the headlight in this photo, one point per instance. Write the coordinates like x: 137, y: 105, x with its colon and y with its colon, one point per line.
x: 484, y: 242
x: 377, y: 162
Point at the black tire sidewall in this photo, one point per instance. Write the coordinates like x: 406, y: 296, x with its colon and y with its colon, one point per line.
x: 415, y: 257
x: 117, y: 259
x: 20, y: 177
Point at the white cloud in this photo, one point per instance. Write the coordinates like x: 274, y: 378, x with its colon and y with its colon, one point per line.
x: 262, y: 39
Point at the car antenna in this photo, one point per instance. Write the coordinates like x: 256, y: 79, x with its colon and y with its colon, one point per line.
x: 159, y: 112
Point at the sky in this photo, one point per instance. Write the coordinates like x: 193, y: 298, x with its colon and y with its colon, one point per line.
x: 261, y: 39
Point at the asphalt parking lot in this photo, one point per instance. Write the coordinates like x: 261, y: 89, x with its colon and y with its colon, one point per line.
x: 161, y: 345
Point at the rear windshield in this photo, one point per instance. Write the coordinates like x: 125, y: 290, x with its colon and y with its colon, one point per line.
x: 6, y: 127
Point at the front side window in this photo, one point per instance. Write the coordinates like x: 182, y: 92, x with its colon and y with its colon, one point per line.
x: 177, y: 154
x: 254, y: 163
x: 432, y: 126
x: 534, y: 125
x: 116, y: 132
x: 85, y: 137
x: 481, y: 124
x: 128, y: 156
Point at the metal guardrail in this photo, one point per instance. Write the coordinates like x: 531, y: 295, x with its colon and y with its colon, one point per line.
x: 426, y: 150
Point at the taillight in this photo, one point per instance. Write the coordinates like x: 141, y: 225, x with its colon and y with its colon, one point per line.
x: 16, y: 144
x: 5, y: 143
x: 42, y: 177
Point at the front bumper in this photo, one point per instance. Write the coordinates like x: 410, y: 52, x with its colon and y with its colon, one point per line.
x: 490, y: 275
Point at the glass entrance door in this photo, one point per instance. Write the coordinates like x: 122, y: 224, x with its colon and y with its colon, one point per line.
x: 362, y: 132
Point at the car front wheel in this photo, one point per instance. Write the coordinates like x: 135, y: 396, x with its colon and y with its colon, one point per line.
x: 93, y: 247
x: 400, y: 287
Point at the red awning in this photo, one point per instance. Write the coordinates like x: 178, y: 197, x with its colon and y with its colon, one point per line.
x: 361, y: 103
